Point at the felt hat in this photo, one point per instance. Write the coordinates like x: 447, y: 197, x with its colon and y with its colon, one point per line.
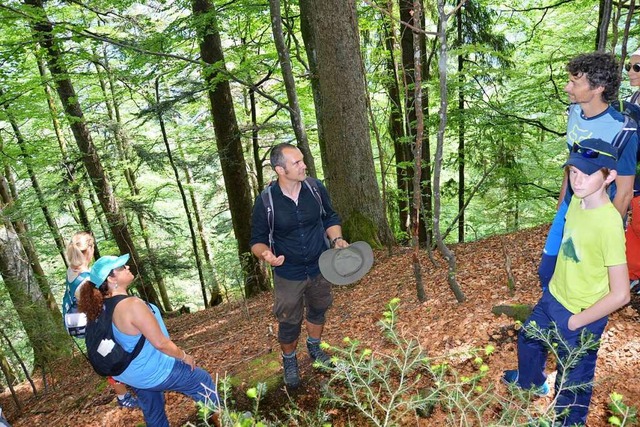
x: 347, y: 265
x: 591, y: 155
x: 103, y: 266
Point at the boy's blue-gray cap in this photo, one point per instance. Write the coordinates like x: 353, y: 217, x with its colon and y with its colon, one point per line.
x: 103, y: 266
x: 591, y: 155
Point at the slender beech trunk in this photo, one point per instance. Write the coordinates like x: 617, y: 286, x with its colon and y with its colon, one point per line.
x: 44, y: 205
x: 69, y: 174
x: 395, y: 125
x: 408, y: 64
x: 229, y: 143
x: 214, y: 285
x: 442, y: 74
x: 47, y: 336
x: 8, y: 374
x: 604, y: 18
x: 417, y: 151
x: 290, y: 87
x: 461, y: 131
x: 43, y: 33
x: 183, y: 194
x: 122, y: 143
x: 20, y: 360
x: 22, y: 231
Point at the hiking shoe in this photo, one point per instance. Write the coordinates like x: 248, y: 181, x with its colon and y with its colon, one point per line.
x: 318, y: 355
x: 128, y: 401
x: 291, y: 372
x: 511, y: 377
x: 633, y: 284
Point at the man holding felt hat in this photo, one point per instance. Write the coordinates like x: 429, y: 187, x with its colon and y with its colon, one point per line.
x: 300, y: 221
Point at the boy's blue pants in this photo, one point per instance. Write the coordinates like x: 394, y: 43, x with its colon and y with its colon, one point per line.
x: 532, y: 358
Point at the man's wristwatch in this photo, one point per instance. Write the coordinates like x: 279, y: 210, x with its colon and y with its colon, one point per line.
x: 334, y: 240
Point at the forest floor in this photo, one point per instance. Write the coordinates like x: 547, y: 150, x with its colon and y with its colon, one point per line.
x: 227, y: 338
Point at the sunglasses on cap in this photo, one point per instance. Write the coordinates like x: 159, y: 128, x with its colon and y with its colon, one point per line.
x: 589, y: 153
x: 629, y: 66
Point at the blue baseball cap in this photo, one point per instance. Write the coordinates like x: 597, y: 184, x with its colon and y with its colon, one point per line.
x: 591, y: 155
x: 103, y: 266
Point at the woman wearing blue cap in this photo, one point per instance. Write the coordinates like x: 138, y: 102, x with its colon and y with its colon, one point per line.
x: 161, y: 365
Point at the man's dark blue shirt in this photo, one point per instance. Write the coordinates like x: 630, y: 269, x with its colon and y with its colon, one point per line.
x: 298, y: 230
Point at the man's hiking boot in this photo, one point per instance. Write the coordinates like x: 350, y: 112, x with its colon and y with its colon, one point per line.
x: 511, y: 377
x: 128, y: 401
x: 318, y: 355
x: 291, y: 372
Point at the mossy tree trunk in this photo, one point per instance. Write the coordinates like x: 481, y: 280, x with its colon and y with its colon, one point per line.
x: 349, y: 169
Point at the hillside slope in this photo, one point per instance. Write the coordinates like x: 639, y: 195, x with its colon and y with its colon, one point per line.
x: 225, y: 339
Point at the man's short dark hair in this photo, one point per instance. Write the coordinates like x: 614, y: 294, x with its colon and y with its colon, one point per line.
x: 277, y: 158
x: 601, y: 69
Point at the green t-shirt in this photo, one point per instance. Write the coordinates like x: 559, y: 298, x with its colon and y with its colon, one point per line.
x: 592, y: 241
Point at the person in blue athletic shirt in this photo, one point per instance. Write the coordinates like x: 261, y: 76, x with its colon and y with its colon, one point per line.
x: 593, y: 84
x: 161, y: 365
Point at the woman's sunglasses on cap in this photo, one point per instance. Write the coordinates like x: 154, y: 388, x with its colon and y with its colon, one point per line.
x: 635, y: 67
x: 589, y: 153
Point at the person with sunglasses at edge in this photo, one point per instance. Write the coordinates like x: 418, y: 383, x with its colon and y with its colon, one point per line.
x: 631, y: 106
x: 593, y: 84
x: 161, y: 365
x: 589, y: 283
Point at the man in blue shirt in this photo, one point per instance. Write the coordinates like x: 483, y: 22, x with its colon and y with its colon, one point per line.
x: 593, y: 84
x: 298, y: 241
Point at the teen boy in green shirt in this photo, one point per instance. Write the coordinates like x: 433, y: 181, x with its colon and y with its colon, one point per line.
x: 590, y: 281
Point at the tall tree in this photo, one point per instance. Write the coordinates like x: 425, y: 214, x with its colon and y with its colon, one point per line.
x: 443, y: 18
x: 350, y: 174
x: 46, y: 333
x: 44, y: 34
x: 290, y: 87
x: 228, y: 142
x: 604, y: 19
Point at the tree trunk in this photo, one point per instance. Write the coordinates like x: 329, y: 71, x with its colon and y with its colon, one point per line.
x: 43, y: 32
x: 213, y: 284
x: 290, y: 87
x: 229, y: 144
x: 604, y: 17
x: 311, y: 48
x: 20, y: 360
x: 395, y: 125
x: 122, y: 143
x: 47, y: 336
x: 350, y: 174
x: 30, y: 251
x: 183, y: 195
x: 69, y: 175
x: 5, y: 367
x: 408, y: 65
x: 417, y: 152
x: 442, y: 71
x: 44, y: 205
x: 461, y: 130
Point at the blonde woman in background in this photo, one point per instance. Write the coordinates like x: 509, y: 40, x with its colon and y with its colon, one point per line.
x: 80, y: 254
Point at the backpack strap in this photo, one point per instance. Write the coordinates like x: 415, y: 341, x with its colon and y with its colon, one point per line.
x: 629, y: 128
x: 109, y: 307
x: 267, y: 201
x: 312, y: 185
x: 635, y: 97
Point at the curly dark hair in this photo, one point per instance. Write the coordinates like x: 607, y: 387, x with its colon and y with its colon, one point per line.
x: 91, y: 299
x: 601, y: 69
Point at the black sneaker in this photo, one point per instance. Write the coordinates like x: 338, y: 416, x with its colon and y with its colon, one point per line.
x: 318, y: 355
x: 291, y: 372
